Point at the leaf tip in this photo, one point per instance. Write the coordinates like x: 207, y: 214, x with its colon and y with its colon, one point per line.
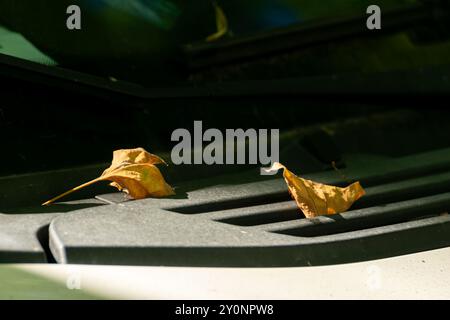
x: 273, y: 169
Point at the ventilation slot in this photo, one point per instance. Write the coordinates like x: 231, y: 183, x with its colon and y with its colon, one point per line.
x: 373, y: 217
x: 230, y: 204
x: 376, y: 196
x: 271, y: 215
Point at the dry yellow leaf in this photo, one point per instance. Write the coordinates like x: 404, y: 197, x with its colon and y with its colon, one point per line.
x: 315, y: 199
x: 221, y: 24
x: 133, y: 171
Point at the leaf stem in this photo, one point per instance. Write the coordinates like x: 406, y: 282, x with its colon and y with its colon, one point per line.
x: 71, y: 190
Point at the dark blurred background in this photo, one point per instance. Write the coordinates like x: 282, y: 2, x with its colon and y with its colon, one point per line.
x: 140, y: 69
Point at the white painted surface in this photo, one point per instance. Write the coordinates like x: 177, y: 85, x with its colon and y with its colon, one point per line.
x: 423, y: 275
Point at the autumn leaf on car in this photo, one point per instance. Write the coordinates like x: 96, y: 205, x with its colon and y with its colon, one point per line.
x: 315, y: 199
x: 133, y: 171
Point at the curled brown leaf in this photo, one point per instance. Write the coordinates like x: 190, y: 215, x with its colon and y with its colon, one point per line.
x: 133, y: 171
